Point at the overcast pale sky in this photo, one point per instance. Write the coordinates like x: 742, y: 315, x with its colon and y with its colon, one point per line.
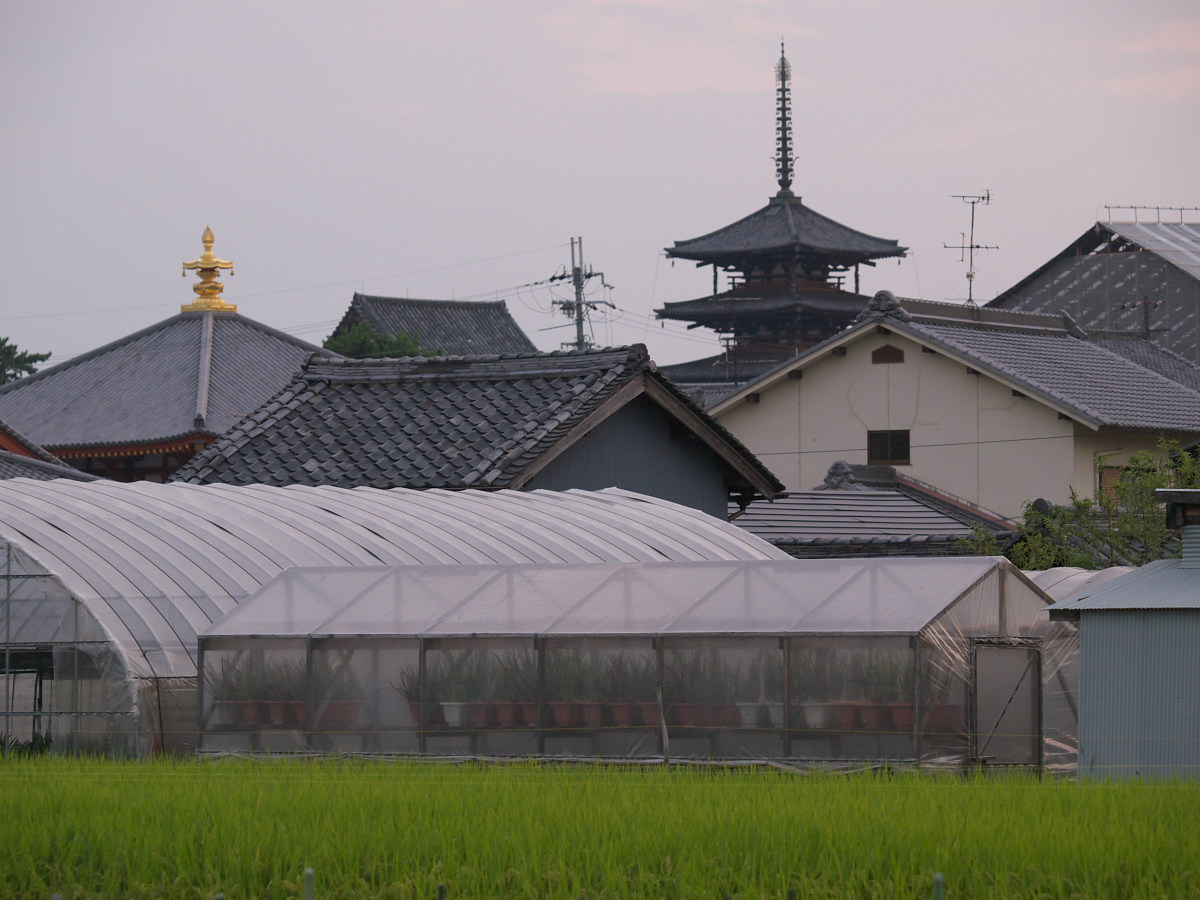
x: 451, y: 149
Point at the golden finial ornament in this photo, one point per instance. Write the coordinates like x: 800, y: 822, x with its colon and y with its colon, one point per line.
x: 208, y: 289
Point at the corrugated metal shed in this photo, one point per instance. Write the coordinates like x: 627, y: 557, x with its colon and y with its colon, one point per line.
x: 155, y: 564
x: 1139, y: 696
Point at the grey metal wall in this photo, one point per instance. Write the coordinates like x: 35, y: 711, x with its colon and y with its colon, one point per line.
x: 1139, y: 694
x: 1102, y: 291
x: 640, y: 449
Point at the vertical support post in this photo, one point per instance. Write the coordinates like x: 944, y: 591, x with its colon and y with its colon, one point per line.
x: 914, y: 644
x: 786, y: 644
x: 308, y: 692
x: 423, y: 698
x: 308, y: 884
x: 663, y: 736
x: 8, y: 577
x: 200, y: 695
x: 539, y: 649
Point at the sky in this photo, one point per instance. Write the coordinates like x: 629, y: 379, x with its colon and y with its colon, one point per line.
x: 450, y: 150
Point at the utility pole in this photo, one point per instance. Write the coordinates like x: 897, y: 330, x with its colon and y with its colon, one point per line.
x: 577, y: 309
x: 970, y: 246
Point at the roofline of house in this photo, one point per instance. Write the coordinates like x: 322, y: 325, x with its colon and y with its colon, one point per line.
x: 892, y: 324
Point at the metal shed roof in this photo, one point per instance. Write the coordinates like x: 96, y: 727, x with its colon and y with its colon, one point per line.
x: 155, y: 564
x: 1163, y: 584
x: 858, y: 596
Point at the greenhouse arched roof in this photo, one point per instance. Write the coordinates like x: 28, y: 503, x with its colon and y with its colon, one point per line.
x: 156, y: 564
x: 891, y: 596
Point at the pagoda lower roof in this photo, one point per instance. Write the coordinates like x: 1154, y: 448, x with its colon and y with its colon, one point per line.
x: 786, y: 226
x: 723, y: 306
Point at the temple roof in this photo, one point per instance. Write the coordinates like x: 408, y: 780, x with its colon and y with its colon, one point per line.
x: 786, y: 226
x: 445, y: 327
x: 194, y: 373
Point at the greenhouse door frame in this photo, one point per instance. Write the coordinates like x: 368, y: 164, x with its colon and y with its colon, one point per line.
x: 986, y: 718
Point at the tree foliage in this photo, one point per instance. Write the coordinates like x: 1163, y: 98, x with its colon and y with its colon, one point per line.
x: 15, y: 363
x: 1122, y: 527
x: 360, y: 342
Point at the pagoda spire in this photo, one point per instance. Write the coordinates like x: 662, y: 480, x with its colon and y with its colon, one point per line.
x: 783, y: 124
x: 208, y: 289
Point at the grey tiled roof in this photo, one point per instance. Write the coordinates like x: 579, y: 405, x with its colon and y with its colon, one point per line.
x: 445, y: 327
x: 14, y: 465
x: 1153, y: 356
x: 195, y: 372
x: 1093, y: 382
x: 848, y: 516
x: 439, y: 422
x: 785, y: 224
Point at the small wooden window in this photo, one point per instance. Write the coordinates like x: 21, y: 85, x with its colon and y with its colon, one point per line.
x: 887, y: 354
x: 888, y: 448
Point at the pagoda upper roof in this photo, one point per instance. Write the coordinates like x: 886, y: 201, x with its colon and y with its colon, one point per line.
x: 786, y: 226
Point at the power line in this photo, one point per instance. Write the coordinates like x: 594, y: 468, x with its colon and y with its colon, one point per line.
x: 294, y: 290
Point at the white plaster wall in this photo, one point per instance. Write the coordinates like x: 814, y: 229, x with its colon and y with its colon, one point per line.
x: 970, y: 436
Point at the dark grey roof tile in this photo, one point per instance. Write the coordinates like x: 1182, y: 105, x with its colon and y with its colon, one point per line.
x: 521, y: 407
x: 145, y: 387
x: 448, y: 327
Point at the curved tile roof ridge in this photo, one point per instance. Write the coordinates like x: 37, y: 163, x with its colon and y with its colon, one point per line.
x: 504, y: 365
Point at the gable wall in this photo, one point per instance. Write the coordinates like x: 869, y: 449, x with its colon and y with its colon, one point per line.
x: 638, y: 450
x: 1104, y: 291
x: 970, y: 436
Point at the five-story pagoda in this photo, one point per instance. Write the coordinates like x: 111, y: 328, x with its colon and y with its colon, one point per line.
x: 785, y: 264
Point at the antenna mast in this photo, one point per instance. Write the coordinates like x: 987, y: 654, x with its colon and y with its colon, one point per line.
x: 967, y: 250
x: 578, y: 308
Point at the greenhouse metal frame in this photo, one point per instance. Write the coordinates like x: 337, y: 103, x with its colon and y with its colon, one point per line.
x: 935, y: 661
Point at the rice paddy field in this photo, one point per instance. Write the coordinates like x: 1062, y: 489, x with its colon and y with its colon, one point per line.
x: 249, y: 828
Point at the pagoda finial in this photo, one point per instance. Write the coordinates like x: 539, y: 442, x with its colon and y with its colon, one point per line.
x: 783, y: 124
x: 208, y: 289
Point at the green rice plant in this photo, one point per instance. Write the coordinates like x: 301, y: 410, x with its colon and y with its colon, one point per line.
x: 249, y: 828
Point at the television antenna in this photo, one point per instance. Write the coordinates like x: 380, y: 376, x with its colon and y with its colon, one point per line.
x: 968, y: 248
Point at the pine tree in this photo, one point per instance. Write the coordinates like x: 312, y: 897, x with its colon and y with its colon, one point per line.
x: 15, y: 363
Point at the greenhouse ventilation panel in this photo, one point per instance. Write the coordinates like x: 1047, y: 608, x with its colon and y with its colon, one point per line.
x: 945, y: 660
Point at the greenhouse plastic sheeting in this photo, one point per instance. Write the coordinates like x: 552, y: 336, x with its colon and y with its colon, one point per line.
x: 128, y: 574
x: 851, y: 596
x: 864, y: 659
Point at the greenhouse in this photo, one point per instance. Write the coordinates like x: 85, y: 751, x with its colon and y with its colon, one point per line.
x: 947, y: 660
x: 106, y: 585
